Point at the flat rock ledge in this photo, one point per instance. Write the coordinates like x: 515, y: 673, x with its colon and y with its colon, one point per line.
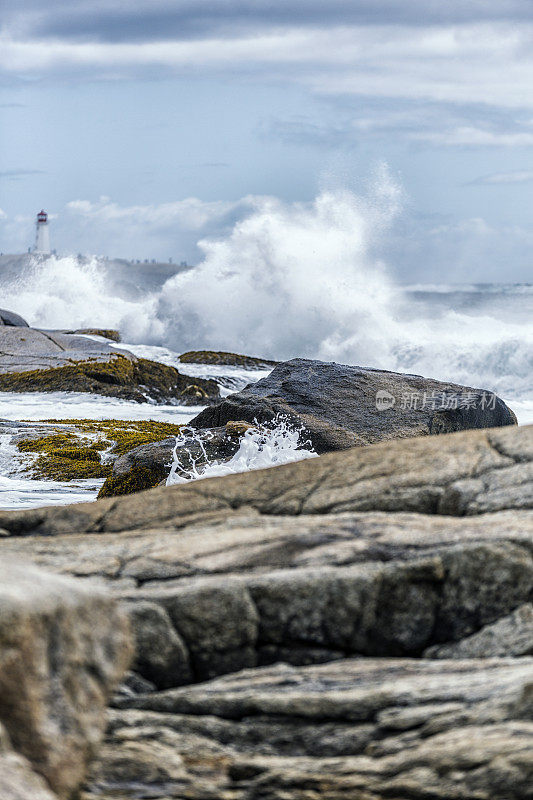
x: 459, y: 474
x: 24, y: 349
x: 365, y: 729
x: 216, y: 598
x: 33, y: 360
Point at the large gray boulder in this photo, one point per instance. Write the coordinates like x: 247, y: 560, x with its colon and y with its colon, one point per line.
x: 342, y: 406
x: 12, y: 319
x: 64, y: 644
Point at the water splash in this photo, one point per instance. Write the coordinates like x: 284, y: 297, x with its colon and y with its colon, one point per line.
x: 290, y: 279
x: 69, y: 293
x: 264, y: 445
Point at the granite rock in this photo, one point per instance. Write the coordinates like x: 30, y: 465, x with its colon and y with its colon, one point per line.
x: 64, y: 645
x: 342, y: 406
x: 12, y: 319
x: 365, y: 729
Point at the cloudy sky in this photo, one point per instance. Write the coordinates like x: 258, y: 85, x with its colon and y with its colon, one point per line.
x: 143, y: 126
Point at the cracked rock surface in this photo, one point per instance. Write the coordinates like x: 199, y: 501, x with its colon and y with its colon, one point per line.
x: 352, y: 626
x: 216, y: 598
x: 349, y: 729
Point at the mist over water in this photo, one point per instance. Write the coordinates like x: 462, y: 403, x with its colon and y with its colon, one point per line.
x: 302, y: 279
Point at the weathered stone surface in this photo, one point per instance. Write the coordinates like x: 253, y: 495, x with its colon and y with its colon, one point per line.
x: 161, y: 655
x: 346, y: 555
x: 214, y: 598
x: 23, y: 349
x: 337, y: 404
x: 156, y: 455
x: 511, y: 635
x: 18, y: 781
x: 133, y: 683
x: 64, y: 644
x: 12, y: 319
x: 267, y: 565
x: 368, y: 728
x: 425, y: 475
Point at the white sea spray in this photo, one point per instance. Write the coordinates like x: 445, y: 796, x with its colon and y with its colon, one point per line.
x: 261, y: 446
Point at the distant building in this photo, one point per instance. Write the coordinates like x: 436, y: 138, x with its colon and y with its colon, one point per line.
x: 42, y: 234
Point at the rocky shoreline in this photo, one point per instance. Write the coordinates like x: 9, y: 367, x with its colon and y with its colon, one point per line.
x: 358, y: 625
x: 377, y: 599
x: 33, y: 360
x: 335, y: 406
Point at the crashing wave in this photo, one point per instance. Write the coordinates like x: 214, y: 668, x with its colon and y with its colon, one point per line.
x: 263, y: 445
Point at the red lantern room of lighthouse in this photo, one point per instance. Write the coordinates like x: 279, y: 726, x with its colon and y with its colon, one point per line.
x: 42, y: 235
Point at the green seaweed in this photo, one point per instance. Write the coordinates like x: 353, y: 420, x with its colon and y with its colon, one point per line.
x: 135, y: 480
x: 123, y: 435
x: 65, y: 457
x: 77, y: 454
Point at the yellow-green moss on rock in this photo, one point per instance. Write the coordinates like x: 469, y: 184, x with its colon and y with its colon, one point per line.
x: 135, y: 480
x: 225, y: 359
x: 65, y: 457
x: 137, y: 380
x: 77, y: 454
x: 123, y: 435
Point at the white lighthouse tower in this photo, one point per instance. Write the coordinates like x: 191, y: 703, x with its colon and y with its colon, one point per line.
x: 42, y: 234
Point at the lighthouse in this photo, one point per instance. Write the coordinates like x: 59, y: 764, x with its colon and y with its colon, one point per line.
x: 42, y: 234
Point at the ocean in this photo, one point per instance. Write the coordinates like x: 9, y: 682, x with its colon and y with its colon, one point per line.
x: 301, y: 280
